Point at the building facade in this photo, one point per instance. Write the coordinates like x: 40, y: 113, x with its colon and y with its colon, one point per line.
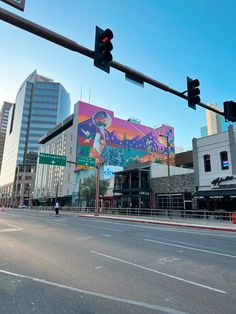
x: 99, y: 140
x: 132, y: 187
x: 214, y: 160
x: 56, y: 182
x: 215, y: 123
x: 149, y: 186
x: 182, y: 189
x: 40, y: 105
x: 4, y: 114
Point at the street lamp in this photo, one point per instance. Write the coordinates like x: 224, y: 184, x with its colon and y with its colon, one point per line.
x: 168, y: 165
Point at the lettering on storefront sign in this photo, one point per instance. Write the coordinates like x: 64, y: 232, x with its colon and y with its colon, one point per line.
x: 216, y: 196
x: 218, y: 181
x: 225, y: 186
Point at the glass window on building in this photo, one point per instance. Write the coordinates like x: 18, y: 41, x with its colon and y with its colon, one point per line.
x: 163, y: 201
x: 177, y: 201
x: 224, y: 160
x: 207, y: 163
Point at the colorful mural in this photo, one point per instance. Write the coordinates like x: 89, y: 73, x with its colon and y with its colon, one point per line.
x: 117, y: 142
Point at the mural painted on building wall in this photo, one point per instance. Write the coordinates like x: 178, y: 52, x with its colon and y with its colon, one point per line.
x: 117, y: 142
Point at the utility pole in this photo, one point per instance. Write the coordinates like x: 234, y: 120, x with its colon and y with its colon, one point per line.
x: 97, y: 190
x: 57, y: 188
x: 168, y: 166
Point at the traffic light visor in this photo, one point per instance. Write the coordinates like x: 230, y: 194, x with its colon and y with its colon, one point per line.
x: 106, y: 36
x: 193, y: 83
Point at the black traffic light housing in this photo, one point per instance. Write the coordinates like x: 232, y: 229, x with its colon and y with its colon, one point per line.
x: 193, y: 92
x: 102, y: 50
x: 230, y: 111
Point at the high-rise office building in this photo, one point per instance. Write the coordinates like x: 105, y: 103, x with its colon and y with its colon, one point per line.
x: 4, y: 114
x: 215, y: 123
x: 40, y: 105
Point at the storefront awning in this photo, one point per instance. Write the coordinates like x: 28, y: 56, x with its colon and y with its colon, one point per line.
x: 215, y: 194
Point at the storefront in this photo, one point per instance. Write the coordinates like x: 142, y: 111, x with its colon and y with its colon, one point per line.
x: 132, y: 188
x: 174, y: 201
x: 216, y: 199
x: 180, y: 194
x: 215, y: 171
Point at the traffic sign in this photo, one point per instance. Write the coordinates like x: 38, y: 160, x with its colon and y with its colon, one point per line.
x: 50, y: 159
x: 18, y: 4
x: 86, y: 161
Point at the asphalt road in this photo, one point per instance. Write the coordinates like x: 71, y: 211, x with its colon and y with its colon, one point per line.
x: 69, y: 264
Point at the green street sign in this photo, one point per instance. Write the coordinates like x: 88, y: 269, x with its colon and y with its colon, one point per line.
x: 50, y: 159
x: 86, y: 161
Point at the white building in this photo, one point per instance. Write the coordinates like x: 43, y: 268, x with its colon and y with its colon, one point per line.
x: 57, y: 182
x: 214, y: 160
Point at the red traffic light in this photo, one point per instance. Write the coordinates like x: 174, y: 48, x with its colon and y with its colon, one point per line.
x: 106, y: 36
x: 103, y: 48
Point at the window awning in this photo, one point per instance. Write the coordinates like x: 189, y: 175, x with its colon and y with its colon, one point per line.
x: 215, y: 194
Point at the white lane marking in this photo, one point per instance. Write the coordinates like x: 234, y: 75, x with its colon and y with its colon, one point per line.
x: 191, y: 248
x: 106, y: 235
x: 98, y: 267
x: 83, y: 238
x: 12, y: 229
x: 101, y: 295
x: 57, y: 222
x: 159, y: 272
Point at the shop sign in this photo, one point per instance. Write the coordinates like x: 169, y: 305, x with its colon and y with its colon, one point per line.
x: 218, y: 182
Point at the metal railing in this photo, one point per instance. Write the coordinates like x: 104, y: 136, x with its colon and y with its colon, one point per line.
x: 160, y: 214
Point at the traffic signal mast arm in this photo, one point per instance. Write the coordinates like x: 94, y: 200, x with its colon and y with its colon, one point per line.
x: 72, y: 45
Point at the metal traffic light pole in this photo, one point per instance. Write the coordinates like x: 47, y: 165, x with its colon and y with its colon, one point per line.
x: 72, y: 45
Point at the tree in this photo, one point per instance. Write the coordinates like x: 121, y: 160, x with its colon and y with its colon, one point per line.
x: 88, y: 189
x: 158, y: 160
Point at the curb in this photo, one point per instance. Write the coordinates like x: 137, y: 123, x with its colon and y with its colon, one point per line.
x: 174, y: 224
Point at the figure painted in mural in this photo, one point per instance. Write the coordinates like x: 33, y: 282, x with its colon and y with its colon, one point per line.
x: 102, y: 120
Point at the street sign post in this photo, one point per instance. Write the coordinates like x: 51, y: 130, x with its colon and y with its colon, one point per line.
x: 50, y: 159
x: 18, y: 4
x: 86, y: 161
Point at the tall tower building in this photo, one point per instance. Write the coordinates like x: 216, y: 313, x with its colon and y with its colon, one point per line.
x: 215, y: 123
x: 40, y: 105
x: 4, y: 114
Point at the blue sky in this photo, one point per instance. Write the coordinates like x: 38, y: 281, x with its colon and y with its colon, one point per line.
x: 167, y: 40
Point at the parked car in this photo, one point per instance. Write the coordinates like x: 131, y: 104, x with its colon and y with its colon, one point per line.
x: 21, y: 206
